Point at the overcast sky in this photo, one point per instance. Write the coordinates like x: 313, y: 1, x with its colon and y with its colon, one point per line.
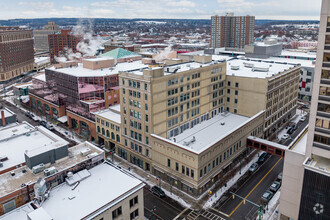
x: 191, y: 9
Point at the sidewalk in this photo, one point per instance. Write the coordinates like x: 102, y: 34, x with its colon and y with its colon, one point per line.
x: 178, y: 195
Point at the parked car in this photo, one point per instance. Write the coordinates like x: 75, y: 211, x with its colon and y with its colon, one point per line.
x: 262, y: 158
x: 290, y: 131
x: 43, y: 123
x: 253, y: 167
x: 275, y: 186
x: 157, y: 191
x: 294, y: 127
x: 304, y: 106
x: 303, y: 118
x: 46, y: 125
x: 285, y: 136
x: 27, y: 114
x: 268, y: 195
x: 33, y: 117
x: 279, y: 177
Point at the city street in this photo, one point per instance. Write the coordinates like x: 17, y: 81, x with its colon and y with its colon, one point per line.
x: 256, y: 185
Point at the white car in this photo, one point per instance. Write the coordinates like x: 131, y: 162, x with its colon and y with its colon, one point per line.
x: 303, y: 118
x: 285, y: 136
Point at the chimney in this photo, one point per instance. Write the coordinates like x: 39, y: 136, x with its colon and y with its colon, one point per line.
x: 3, y: 118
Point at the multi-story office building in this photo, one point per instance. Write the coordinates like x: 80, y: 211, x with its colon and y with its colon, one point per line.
x: 160, y: 100
x: 78, y: 90
x: 41, y: 36
x: 61, y: 43
x: 232, y: 31
x: 272, y: 87
x: 16, y: 52
x: 306, y: 175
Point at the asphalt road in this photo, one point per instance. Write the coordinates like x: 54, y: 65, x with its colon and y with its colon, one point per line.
x: 166, y: 208
x: 257, y: 184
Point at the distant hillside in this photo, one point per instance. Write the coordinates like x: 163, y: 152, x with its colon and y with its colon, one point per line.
x: 40, y: 22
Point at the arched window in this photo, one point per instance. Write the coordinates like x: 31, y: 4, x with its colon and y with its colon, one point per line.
x: 98, y: 129
x: 108, y: 134
x: 103, y: 131
x: 112, y: 136
x: 117, y: 138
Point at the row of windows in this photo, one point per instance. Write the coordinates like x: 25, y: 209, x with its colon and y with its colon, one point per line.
x: 135, y: 84
x: 107, y: 134
x: 184, y: 170
x: 217, y: 161
x: 135, y: 94
x: 171, y: 112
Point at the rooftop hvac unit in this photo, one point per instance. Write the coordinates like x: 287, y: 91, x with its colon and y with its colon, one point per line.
x: 92, y: 155
x: 234, y: 67
x: 260, y: 69
x: 50, y: 171
x: 39, y: 168
x: 85, y: 152
x: 248, y: 65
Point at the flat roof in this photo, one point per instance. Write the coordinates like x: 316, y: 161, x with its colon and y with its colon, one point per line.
x: 244, y: 71
x: 318, y: 164
x: 300, y: 146
x: 105, y: 187
x: 110, y: 115
x: 209, y: 132
x: 40, y: 76
x: 115, y: 107
x: 79, y: 71
x: 303, y: 63
x: 18, y: 139
x: 177, y: 68
x: 298, y: 53
x: 41, y: 60
x: 9, y: 183
x: 106, y: 184
x: 7, y: 113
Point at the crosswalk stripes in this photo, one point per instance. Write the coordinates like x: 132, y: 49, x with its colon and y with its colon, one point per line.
x: 193, y: 215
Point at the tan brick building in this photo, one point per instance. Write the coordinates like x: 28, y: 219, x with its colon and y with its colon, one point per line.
x: 16, y: 52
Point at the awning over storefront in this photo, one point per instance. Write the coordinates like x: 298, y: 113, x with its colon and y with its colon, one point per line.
x: 63, y: 119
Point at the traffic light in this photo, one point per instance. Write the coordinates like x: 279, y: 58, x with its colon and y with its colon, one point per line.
x: 244, y: 201
x: 233, y: 196
x: 154, y: 209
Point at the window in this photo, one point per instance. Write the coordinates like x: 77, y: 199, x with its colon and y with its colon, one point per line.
x: 147, y: 118
x: 145, y: 86
x: 228, y: 91
x: 133, y: 201
x: 117, y: 212
x: 228, y: 99
x: 134, y: 214
x: 192, y: 173
x: 228, y: 83
x: 147, y: 152
x: 168, y: 162
x: 236, y: 85
x: 146, y: 96
x: 183, y: 169
x: 236, y: 92
x: 176, y: 166
x: 235, y: 101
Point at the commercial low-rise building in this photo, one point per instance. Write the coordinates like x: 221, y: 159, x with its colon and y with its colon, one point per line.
x: 31, y: 153
x: 102, y: 192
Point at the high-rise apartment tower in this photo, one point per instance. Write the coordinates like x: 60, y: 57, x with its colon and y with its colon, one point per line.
x: 232, y: 31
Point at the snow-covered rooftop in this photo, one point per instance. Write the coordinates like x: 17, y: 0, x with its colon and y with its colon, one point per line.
x: 9, y: 183
x: 245, y: 67
x: 41, y: 60
x: 79, y: 71
x: 110, y: 115
x: 23, y: 85
x: 115, y: 107
x: 7, y: 113
x: 15, y: 140
x: 297, y: 53
x: 209, y: 132
x: 40, y: 76
x: 303, y: 63
x: 300, y: 146
x: 105, y: 187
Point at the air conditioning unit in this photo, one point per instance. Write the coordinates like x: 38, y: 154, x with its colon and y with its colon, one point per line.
x: 39, y: 168
x: 85, y: 152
